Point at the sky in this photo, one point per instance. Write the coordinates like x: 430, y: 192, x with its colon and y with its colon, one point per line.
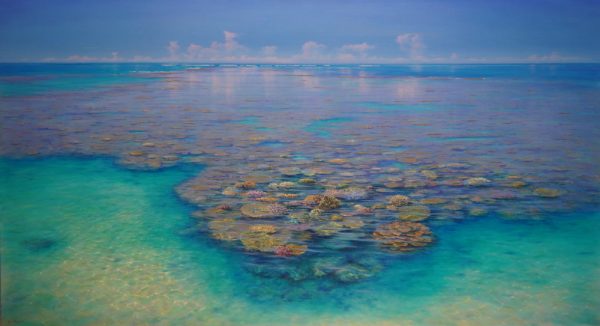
x: 270, y: 31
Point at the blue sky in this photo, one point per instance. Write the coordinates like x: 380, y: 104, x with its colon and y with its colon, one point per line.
x: 300, y: 31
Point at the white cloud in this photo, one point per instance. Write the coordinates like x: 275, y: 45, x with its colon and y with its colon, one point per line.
x: 114, y: 57
x: 412, y: 43
x: 230, y: 41
x: 311, y: 50
x: 361, y: 48
x: 173, y: 49
x: 230, y: 47
x: 230, y: 50
x: 81, y: 58
x: 194, y: 51
x: 269, y: 50
x: 353, y: 52
x: 346, y: 57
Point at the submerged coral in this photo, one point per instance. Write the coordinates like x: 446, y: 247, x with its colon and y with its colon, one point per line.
x: 403, y: 236
x: 350, y: 193
x: 261, y: 242
x: 352, y: 273
x: 246, y: 185
x: 477, y: 182
x: 433, y: 201
x: 290, y: 250
x: 263, y: 228
x: 313, y: 200
x: 277, y: 210
x: 328, y: 203
x: 414, y: 213
x: 260, y: 210
x: 547, y: 192
x: 255, y: 194
x: 399, y: 200
x: 307, y: 191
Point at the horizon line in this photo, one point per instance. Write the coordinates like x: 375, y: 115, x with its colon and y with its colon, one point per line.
x: 302, y: 63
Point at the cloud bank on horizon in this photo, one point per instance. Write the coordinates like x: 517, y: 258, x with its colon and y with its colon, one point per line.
x: 411, y: 50
x: 309, y: 31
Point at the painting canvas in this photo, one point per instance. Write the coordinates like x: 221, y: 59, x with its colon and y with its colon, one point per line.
x: 300, y: 162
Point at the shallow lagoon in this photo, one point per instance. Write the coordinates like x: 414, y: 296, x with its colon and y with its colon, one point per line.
x: 118, y: 227
x: 114, y: 260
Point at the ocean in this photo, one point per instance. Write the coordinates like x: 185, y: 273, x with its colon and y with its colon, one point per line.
x: 239, y: 194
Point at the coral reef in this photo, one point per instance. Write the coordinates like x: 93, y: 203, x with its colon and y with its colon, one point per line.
x: 260, y: 210
x: 547, y: 192
x: 399, y: 200
x: 414, y: 213
x: 477, y: 182
x: 403, y: 236
x: 329, y: 203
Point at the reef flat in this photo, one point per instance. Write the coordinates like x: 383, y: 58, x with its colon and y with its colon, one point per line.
x: 332, y: 175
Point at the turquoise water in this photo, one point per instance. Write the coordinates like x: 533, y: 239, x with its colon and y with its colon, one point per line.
x: 132, y: 194
x: 324, y: 127
x: 393, y: 107
x: 85, y: 241
x: 34, y: 79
